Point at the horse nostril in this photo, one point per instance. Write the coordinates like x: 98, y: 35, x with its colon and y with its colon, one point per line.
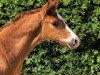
x: 76, y: 40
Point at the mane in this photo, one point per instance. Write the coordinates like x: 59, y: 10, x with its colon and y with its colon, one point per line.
x: 18, y: 16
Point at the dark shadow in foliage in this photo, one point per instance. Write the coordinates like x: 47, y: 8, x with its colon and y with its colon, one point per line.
x: 88, y: 12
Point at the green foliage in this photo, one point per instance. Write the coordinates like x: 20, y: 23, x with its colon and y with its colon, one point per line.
x: 51, y: 58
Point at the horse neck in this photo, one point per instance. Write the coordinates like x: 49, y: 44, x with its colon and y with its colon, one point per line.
x: 20, y: 37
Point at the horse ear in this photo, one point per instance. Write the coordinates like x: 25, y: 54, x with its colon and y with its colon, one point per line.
x: 51, y: 5
x: 54, y: 5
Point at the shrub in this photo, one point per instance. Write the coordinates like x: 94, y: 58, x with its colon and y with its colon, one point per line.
x: 83, y: 16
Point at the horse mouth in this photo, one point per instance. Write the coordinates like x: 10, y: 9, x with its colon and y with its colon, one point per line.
x: 70, y: 45
x: 73, y: 45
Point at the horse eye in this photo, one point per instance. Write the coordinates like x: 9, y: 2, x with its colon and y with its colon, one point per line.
x: 55, y: 24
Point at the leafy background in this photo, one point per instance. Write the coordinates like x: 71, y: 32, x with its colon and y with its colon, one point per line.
x: 49, y: 58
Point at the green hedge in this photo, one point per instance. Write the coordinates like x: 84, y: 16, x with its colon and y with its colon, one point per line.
x: 49, y: 58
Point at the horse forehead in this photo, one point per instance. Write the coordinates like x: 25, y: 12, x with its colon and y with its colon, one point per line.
x: 59, y: 16
x: 55, y: 17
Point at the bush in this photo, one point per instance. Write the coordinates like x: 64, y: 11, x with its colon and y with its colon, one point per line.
x: 50, y: 58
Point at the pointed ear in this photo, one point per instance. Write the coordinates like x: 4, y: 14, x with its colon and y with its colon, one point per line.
x: 54, y: 5
x: 51, y: 5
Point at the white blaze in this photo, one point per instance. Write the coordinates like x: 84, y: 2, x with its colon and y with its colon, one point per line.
x: 73, y: 35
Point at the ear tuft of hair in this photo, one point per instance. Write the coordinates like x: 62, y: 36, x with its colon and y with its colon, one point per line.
x: 51, y: 6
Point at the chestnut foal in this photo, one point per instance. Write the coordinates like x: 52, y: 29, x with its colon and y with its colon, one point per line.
x: 29, y: 28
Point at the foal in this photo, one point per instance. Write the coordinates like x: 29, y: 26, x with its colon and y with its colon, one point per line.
x: 29, y: 28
